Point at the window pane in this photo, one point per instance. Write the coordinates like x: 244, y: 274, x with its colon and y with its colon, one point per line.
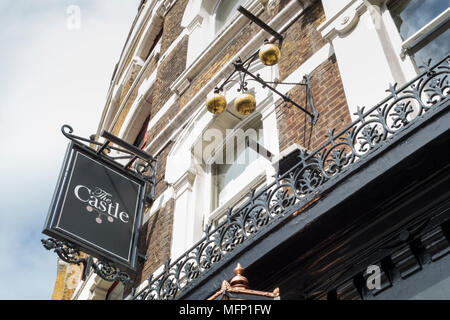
x: 436, y: 49
x: 224, y: 11
x: 237, y: 156
x: 411, y: 15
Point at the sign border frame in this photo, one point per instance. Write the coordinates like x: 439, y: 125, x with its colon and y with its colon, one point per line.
x: 60, y: 191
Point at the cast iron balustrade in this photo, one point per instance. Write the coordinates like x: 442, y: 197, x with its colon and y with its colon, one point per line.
x: 303, y: 183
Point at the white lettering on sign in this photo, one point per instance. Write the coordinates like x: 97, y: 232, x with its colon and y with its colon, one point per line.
x: 100, y: 201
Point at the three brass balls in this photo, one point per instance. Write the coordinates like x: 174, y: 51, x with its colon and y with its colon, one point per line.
x: 245, y: 103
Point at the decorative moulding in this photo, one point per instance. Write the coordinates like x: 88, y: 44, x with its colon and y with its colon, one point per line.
x: 344, y: 21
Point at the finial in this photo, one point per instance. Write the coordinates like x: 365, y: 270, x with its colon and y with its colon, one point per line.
x: 239, y: 281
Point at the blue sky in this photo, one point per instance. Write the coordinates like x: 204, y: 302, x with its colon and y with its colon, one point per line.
x: 53, y: 71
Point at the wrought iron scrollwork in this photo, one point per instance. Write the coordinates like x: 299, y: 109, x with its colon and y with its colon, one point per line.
x: 143, y: 164
x: 109, y: 272
x: 69, y: 253
x: 303, y: 182
x: 65, y: 251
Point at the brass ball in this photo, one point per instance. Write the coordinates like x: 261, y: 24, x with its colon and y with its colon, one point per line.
x: 245, y: 104
x: 216, y: 103
x: 269, y: 54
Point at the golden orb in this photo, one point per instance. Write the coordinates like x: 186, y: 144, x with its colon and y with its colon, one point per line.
x: 216, y: 103
x: 269, y: 54
x: 245, y: 104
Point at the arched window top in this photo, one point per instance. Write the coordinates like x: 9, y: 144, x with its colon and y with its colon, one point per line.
x: 224, y: 11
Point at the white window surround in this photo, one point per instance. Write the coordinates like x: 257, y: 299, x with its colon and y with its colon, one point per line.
x: 194, y: 126
x: 253, y: 176
x: 199, y: 185
x: 192, y: 179
x: 191, y: 131
x: 374, y: 59
x: 193, y: 190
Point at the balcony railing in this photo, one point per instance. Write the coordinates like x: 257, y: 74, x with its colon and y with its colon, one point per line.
x: 313, y: 173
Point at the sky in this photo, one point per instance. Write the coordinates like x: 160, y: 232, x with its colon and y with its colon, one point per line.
x: 56, y: 63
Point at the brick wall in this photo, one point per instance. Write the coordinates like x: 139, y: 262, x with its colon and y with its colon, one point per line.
x: 168, y: 71
x: 154, y: 241
x: 302, y: 40
x: 330, y: 102
x: 161, y: 185
x: 156, y: 234
x: 67, y: 278
x: 172, y: 24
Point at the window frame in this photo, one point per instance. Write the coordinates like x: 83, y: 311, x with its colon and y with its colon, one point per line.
x: 423, y: 36
x: 253, y: 176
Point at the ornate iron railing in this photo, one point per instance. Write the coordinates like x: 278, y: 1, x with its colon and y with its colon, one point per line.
x: 305, y: 181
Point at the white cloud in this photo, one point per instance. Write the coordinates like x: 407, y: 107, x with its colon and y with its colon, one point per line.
x: 50, y: 75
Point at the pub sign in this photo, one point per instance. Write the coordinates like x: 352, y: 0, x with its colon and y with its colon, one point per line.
x: 97, y: 205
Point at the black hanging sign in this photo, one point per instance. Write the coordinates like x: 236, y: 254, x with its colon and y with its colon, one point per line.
x: 97, y: 206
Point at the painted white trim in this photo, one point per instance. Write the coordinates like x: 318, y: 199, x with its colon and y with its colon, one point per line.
x: 160, y: 8
x: 144, y: 89
x: 253, y: 175
x: 364, y: 44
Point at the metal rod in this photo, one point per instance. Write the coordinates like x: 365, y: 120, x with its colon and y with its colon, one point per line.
x: 220, y: 88
x: 260, y: 23
x: 130, y: 162
x: 137, y: 152
x: 103, y: 147
x: 288, y: 83
x: 285, y: 98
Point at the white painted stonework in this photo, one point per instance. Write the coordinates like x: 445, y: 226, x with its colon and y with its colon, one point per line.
x: 365, y: 42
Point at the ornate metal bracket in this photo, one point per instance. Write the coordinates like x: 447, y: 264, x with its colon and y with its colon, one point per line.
x: 242, y: 67
x: 71, y: 254
x: 142, y: 161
